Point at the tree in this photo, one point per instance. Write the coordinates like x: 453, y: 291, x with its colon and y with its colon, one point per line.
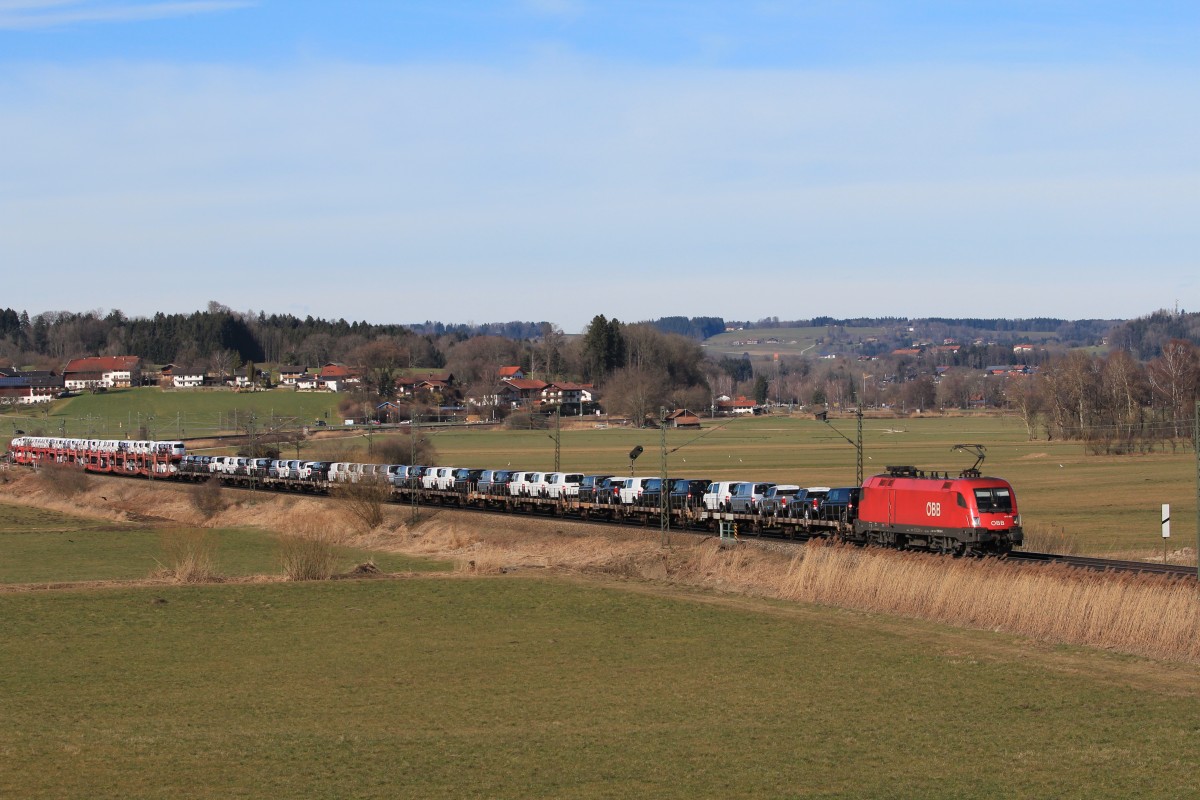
x: 1023, y: 393
x: 380, y: 361
x: 635, y: 393
x: 1173, y: 379
x: 761, y: 387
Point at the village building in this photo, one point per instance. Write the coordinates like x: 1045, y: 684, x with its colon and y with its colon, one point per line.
x: 108, y: 372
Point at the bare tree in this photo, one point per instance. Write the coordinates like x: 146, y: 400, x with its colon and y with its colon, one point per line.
x: 1173, y: 379
x: 1023, y: 393
x: 635, y: 393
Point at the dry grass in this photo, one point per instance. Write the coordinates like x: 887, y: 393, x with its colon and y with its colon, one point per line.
x: 307, y: 550
x: 189, y: 556
x: 1042, y: 538
x: 1142, y: 615
x: 63, y: 480
x: 364, y: 501
x: 307, y: 557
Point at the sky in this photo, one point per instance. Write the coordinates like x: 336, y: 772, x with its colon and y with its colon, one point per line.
x: 484, y: 161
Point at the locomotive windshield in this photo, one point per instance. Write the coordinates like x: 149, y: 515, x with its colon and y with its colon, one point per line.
x: 994, y: 501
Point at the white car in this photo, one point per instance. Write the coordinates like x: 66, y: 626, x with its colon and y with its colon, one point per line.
x: 719, y: 495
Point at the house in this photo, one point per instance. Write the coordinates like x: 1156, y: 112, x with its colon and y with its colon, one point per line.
x: 507, y: 373
x: 308, y: 383
x: 109, y: 372
x: 682, y: 418
x: 187, y: 377
x: 21, y: 387
x: 243, y: 381
x: 337, y: 377
x: 166, y: 376
x: 521, y: 392
x: 288, y: 375
x: 566, y: 393
x: 740, y: 405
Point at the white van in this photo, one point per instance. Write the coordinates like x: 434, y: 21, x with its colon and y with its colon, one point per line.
x: 719, y: 495
x: 631, y: 495
x: 563, y: 484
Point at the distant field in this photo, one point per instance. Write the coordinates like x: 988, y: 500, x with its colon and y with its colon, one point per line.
x: 525, y: 688
x: 170, y: 414
x: 791, y: 341
x: 1111, y: 504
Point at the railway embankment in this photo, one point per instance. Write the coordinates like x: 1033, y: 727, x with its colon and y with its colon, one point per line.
x: 1149, y: 616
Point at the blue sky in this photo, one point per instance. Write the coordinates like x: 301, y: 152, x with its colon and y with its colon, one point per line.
x: 557, y: 159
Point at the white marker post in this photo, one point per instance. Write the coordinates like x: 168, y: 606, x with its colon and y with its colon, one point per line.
x: 1166, y: 528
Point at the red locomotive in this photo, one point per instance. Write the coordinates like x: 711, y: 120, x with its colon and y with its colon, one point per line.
x: 966, y: 514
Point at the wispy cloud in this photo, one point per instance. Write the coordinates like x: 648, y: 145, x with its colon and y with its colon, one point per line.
x: 33, y: 14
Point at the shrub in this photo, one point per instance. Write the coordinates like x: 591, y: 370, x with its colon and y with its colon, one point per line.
x: 189, y: 556
x: 207, y: 497
x: 363, y: 500
x: 63, y: 480
x: 307, y: 557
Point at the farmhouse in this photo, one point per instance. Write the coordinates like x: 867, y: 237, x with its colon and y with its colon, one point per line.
x: 109, y: 372
x: 28, y: 387
x: 521, y: 392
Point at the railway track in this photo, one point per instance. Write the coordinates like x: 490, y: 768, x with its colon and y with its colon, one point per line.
x: 1105, y: 564
x: 695, y: 521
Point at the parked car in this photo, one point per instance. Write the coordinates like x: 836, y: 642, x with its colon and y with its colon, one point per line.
x: 518, y: 483
x: 807, y: 509
x: 688, y: 492
x: 563, y: 484
x: 748, y: 496
x: 718, y: 495
x: 840, y: 504
x: 631, y: 492
x: 466, y: 479
x: 776, y: 501
x: 651, y: 493
x: 610, y: 490
x: 589, y: 486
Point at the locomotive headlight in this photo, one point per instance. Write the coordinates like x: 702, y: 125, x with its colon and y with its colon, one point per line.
x: 974, y: 521
x: 1017, y: 520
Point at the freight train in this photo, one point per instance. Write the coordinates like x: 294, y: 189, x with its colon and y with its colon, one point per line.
x: 907, y: 508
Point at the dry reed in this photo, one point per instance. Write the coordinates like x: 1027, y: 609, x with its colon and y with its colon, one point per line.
x: 189, y: 556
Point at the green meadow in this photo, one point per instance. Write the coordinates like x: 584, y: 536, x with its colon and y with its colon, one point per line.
x: 120, y: 413
x: 529, y: 686
x: 523, y: 688
x: 40, y: 546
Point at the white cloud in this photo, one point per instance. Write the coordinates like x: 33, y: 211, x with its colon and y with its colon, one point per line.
x: 31, y: 14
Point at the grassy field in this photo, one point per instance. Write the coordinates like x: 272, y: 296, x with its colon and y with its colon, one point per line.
x: 1110, y: 504
x: 42, y: 546
x: 170, y: 414
x: 530, y: 688
x: 791, y: 341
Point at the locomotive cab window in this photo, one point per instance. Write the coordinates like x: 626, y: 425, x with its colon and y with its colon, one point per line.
x: 994, y: 501
x: 962, y: 501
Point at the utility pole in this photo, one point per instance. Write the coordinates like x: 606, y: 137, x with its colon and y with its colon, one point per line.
x: 413, y: 431
x: 558, y: 437
x: 1196, y: 450
x: 664, y: 496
